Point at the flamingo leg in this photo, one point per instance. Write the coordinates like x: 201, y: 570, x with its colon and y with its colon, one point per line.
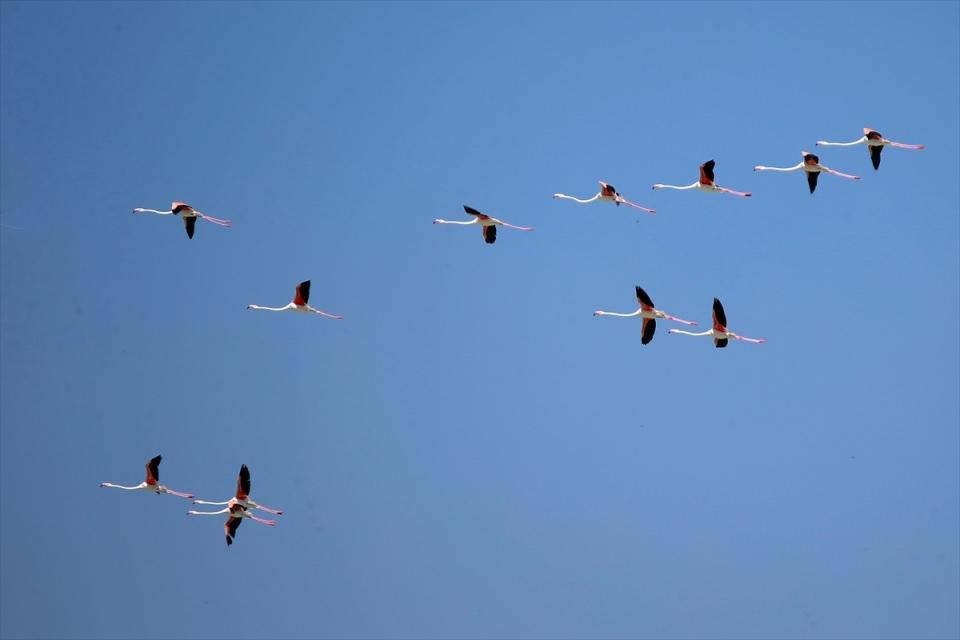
x: 513, y: 226
x: 276, y: 512
x: 839, y: 174
x: 636, y: 206
x: 177, y: 493
x: 261, y: 520
x: 742, y: 194
x: 325, y: 314
x: 901, y: 145
x: 689, y: 323
x: 745, y: 339
x: 219, y: 221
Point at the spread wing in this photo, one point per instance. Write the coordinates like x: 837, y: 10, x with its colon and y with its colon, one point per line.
x: 812, y: 177
x: 706, y: 172
x: 190, y: 222
x: 644, y: 299
x: 178, y: 207
x: 607, y: 189
x: 719, y: 317
x: 648, y: 328
x: 474, y: 212
x: 230, y: 528
x: 875, y: 155
x: 153, y: 469
x: 720, y: 343
x: 302, y: 296
x: 243, y: 483
x: 490, y: 234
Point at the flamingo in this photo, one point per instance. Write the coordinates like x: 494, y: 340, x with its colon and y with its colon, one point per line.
x: 608, y: 193
x: 488, y: 224
x: 299, y: 303
x: 875, y: 143
x: 811, y: 166
x: 152, y: 481
x: 242, y: 496
x: 237, y: 513
x: 649, y: 315
x: 189, y: 215
x: 719, y: 331
x: 705, y: 183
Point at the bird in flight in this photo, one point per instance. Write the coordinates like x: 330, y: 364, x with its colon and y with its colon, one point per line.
x: 237, y: 513
x: 189, y: 215
x: 488, y: 224
x: 242, y: 495
x: 719, y: 331
x: 649, y: 315
x: 608, y: 193
x: 875, y: 143
x: 152, y: 481
x: 298, y: 304
x: 705, y: 183
x: 812, y: 167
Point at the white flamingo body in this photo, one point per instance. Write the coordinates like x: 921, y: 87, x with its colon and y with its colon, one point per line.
x: 299, y: 304
x: 648, y: 313
x: 152, y: 482
x: 488, y: 224
x: 705, y: 184
x: 242, y: 495
x: 719, y: 332
x: 874, y: 141
x: 811, y: 166
x: 189, y: 215
x: 608, y: 193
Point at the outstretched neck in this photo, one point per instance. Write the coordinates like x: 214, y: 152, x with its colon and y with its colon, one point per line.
x: 618, y: 315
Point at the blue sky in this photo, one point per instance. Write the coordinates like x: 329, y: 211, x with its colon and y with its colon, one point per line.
x: 470, y: 453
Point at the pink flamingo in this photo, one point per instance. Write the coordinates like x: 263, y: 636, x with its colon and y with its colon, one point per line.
x: 488, y: 224
x: 705, y: 183
x: 152, y: 481
x: 299, y: 303
x: 812, y: 167
x: 189, y: 215
x: 649, y: 315
x: 608, y: 193
x: 237, y: 513
x: 242, y: 496
x: 875, y: 144
x: 719, y: 331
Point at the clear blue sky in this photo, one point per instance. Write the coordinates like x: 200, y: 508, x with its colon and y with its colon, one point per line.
x: 471, y: 454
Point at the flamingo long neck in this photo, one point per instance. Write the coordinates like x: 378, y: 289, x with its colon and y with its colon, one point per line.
x: 673, y: 186
x: 120, y: 486
x: 824, y: 143
x: 566, y: 197
x: 762, y: 168
x: 690, y: 333
x: 208, y: 513
x: 619, y: 315
x: 259, y: 308
x: 474, y: 221
x: 208, y: 502
x: 163, y: 213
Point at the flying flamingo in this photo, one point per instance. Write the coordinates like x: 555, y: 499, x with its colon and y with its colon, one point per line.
x: 875, y: 144
x: 719, y: 331
x: 242, y: 496
x: 649, y: 315
x: 152, y: 482
x: 189, y: 215
x: 488, y: 224
x: 299, y: 303
x: 237, y: 513
x: 608, y: 193
x: 812, y: 167
x: 705, y: 183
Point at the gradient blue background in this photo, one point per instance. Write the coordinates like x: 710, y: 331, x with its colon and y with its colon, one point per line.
x: 470, y: 453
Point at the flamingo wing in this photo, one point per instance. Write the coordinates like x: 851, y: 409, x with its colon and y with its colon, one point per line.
x: 720, y: 343
x: 489, y: 233
x: 607, y: 189
x: 647, y: 330
x: 706, y: 172
x: 644, y: 299
x: 474, y: 212
x: 875, y: 155
x: 179, y: 207
x: 871, y: 134
x: 812, y: 177
x: 230, y: 528
x: 719, y: 317
x: 190, y: 222
x: 302, y: 295
x: 243, y: 483
x: 153, y: 469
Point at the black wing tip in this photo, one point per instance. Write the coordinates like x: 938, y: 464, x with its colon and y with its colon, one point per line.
x: 471, y: 210
x: 721, y: 343
x: 229, y: 541
x: 648, y: 331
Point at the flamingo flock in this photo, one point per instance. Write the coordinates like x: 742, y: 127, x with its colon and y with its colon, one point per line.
x: 241, y: 506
